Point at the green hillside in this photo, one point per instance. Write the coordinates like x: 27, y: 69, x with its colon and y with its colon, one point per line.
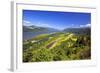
x: 57, y: 46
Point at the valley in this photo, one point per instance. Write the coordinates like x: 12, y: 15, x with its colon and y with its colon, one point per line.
x: 57, y: 46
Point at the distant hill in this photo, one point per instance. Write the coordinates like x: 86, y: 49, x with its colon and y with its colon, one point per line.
x: 82, y: 30
x: 30, y: 31
x: 28, y: 28
x: 38, y: 29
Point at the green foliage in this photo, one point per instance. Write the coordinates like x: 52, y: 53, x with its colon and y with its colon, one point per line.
x: 57, y: 47
x: 58, y: 54
x: 27, y: 56
x: 42, y: 55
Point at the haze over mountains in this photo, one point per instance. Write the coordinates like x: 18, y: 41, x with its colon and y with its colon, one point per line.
x: 31, y: 31
x: 39, y: 29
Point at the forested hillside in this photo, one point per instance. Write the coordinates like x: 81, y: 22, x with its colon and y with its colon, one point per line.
x: 57, y: 46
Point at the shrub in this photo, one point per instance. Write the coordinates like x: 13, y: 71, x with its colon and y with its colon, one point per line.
x: 42, y: 55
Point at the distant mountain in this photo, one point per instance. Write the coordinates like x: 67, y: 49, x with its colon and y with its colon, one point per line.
x: 82, y: 30
x: 38, y: 29
x: 28, y: 28
x: 31, y: 31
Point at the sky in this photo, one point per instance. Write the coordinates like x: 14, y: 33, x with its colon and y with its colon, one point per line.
x: 57, y: 20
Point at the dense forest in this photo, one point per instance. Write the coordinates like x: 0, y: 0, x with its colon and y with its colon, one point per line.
x: 58, y: 46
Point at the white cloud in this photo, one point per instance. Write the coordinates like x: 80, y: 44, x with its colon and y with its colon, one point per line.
x: 27, y: 22
x: 43, y: 24
x: 87, y: 25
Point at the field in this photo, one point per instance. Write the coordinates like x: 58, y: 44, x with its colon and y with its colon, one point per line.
x: 57, y: 46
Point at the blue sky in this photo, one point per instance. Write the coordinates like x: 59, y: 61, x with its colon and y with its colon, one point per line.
x: 57, y: 20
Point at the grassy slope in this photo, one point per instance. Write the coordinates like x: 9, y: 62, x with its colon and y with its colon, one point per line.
x: 55, y: 47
